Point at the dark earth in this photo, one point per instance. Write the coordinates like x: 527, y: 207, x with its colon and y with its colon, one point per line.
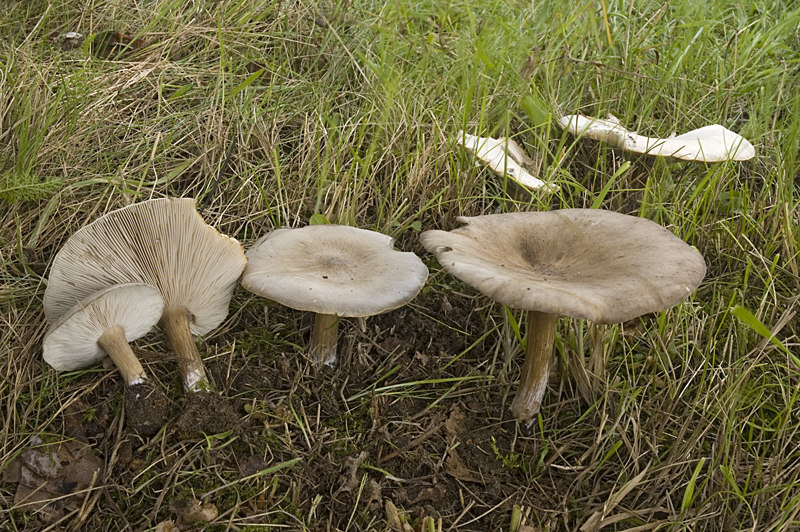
x: 147, y: 408
x: 444, y: 446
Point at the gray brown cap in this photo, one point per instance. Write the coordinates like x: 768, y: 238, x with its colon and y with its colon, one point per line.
x: 72, y: 342
x: 161, y: 242
x: 333, y: 269
x: 585, y: 263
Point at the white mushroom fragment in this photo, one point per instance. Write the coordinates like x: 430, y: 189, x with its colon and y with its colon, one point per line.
x: 504, y: 157
x: 335, y: 271
x: 585, y: 263
x: 709, y: 144
x: 103, y: 324
x: 166, y: 244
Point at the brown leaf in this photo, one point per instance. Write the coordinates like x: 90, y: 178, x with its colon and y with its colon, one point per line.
x: 349, y: 480
x: 456, y: 423
x: 167, y: 526
x: 195, y: 512
x: 49, y: 474
x: 108, y: 44
x: 456, y: 468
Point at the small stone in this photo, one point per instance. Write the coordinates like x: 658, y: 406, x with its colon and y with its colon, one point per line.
x: 70, y: 40
x: 196, y: 512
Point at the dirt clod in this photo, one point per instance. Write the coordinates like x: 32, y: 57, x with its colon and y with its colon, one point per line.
x: 206, y: 412
x: 146, y: 408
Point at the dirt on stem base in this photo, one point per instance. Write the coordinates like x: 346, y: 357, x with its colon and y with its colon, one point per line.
x: 147, y: 408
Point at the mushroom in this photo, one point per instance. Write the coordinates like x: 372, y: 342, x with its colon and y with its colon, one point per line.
x: 166, y: 244
x: 103, y: 324
x: 709, y: 144
x: 504, y: 157
x: 335, y: 271
x: 584, y: 263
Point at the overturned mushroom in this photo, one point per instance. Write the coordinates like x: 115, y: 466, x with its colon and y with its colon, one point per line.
x: 584, y: 263
x: 103, y: 324
x: 710, y: 144
x: 504, y: 157
x: 166, y: 244
x: 335, y: 271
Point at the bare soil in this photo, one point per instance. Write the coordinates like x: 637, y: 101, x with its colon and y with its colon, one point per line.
x: 444, y: 445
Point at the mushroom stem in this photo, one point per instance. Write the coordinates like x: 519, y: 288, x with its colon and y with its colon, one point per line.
x: 323, y: 339
x: 175, y: 322
x: 115, y: 344
x: 597, y: 359
x: 536, y: 369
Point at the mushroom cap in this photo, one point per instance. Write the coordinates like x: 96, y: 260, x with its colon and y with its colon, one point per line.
x: 333, y: 269
x: 585, y: 263
x: 161, y: 242
x: 714, y: 143
x: 606, y: 130
x: 71, y: 342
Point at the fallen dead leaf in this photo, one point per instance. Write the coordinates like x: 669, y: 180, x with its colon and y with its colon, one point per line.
x: 167, y: 526
x: 396, y: 520
x: 109, y: 44
x: 456, y: 423
x: 456, y: 468
x: 196, y: 512
x: 51, y: 477
x: 349, y: 480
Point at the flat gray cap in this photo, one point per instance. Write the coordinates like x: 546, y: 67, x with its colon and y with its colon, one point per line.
x: 333, y: 269
x: 585, y: 263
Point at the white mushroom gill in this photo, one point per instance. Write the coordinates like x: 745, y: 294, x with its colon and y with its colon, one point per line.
x: 103, y: 324
x: 166, y: 244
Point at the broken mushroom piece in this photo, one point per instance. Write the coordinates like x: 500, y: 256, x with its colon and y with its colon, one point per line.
x: 164, y: 243
x: 504, y: 157
x: 103, y: 324
x: 584, y: 263
x: 335, y: 271
x: 709, y: 144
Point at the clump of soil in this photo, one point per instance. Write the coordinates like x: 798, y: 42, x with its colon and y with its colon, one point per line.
x: 205, y: 412
x: 147, y: 408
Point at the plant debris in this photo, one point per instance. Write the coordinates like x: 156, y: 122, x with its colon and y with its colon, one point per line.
x: 53, y: 477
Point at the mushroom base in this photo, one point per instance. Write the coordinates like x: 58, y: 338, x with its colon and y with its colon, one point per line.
x: 147, y: 408
x: 536, y: 369
x: 324, y: 338
x: 175, y: 322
